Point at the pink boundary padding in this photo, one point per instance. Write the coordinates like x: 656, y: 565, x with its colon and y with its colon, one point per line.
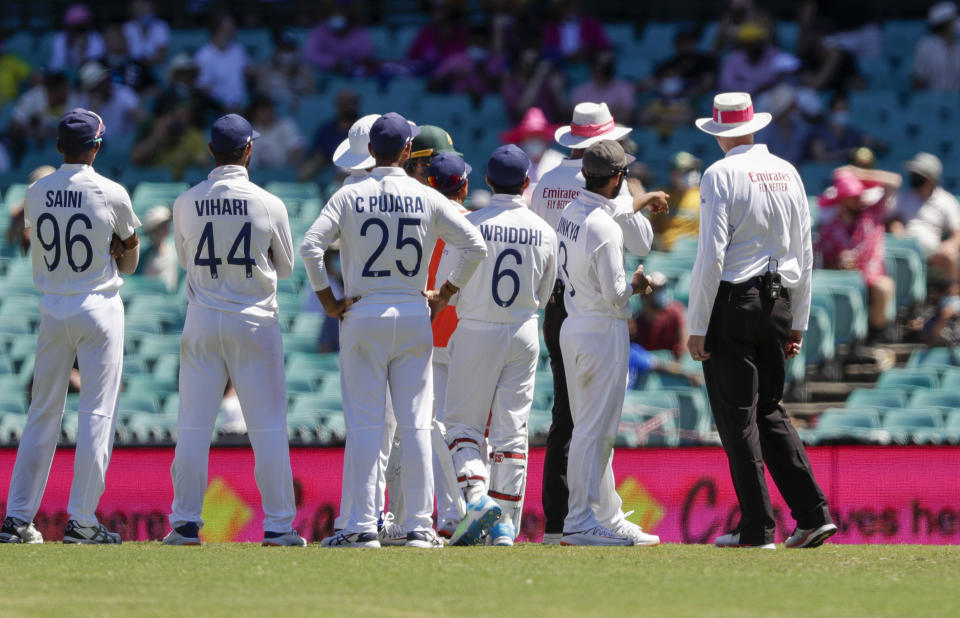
x: 877, y: 494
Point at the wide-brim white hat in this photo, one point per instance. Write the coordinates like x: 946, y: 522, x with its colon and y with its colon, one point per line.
x: 733, y: 116
x: 592, y: 123
x: 352, y: 153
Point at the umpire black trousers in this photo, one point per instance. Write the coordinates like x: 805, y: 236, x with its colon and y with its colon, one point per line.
x: 555, y: 493
x: 746, y: 339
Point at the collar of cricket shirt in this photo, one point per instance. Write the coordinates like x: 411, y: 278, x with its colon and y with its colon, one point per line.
x: 598, y: 201
x: 505, y: 200
x: 229, y: 171
x: 746, y: 148
x: 380, y: 172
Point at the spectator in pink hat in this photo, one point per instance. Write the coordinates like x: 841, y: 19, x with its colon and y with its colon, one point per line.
x: 853, y: 231
x: 78, y: 42
x: 534, y: 135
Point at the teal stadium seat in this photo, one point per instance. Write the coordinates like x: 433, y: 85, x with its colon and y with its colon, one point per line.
x: 876, y: 398
x: 848, y: 425
x: 150, y: 193
x: 913, y: 426
x: 921, y: 377
x: 940, y: 398
x: 649, y: 419
x: 843, y: 294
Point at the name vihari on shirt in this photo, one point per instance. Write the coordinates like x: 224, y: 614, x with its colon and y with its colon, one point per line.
x: 64, y: 199
x: 568, y: 229
x: 512, y: 235
x: 388, y: 203
x: 220, y: 206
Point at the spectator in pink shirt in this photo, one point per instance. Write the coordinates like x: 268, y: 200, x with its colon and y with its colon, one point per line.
x: 570, y: 35
x: 619, y: 94
x: 446, y: 35
x: 751, y: 67
x: 338, y: 43
x: 475, y: 70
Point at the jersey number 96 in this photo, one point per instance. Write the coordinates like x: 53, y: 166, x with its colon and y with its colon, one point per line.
x: 51, y: 242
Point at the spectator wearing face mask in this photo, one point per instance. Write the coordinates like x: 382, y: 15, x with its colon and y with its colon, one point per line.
x: 78, y: 42
x: 692, y: 72
x: 117, y: 104
x: 670, y: 109
x: 124, y: 69
x: 475, y: 70
x: 682, y: 220
x: 329, y: 135
x: 571, y: 34
x: 280, y: 143
x: 936, y: 61
x: 443, y: 36
x: 534, y: 135
x: 837, y: 138
x: 223, y: 64
x: 285, y: 78
x: 147, y: 35
x: 660, y: 325
x: 338, y: 43
x: 752, y: 67
x: 929, y: 214
x: 38, y: 110
x: 619, y: 94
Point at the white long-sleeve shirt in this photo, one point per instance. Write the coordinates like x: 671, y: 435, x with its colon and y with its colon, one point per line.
x: 563, y: 184
x: 590, y: 259
x: 225, y: 229
x: 518, y: 274
x: 753, y: 207
x: 389, y: 224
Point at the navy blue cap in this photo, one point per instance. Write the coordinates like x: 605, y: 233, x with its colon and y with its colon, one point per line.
x: 508, y: 166
x: 231, y: 132
x: 391, y: 133
x: 80, y: 130
x: 448, y: 172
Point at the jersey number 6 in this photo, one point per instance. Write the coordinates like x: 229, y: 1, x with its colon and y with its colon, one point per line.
x: 401, y: 243
x: 506, y: 272
x: 206, y: 240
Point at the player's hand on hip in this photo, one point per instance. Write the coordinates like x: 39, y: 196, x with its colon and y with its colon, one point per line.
x: 794, y: 343
x: 116, y: 247
x: 436, y: 302
x: 340, y: 307
x: 697, y: 346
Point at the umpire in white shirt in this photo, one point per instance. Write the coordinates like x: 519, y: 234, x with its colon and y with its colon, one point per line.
x: 749, y: 305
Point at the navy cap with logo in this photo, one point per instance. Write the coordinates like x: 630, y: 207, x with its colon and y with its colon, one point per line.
x: 231, y: 132
x: 391, y: 133
x: 80, y: 130
x: 508, y: 166
x: 448, y: 172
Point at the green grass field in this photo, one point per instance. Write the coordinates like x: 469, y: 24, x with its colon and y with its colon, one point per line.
x: 147, y: 579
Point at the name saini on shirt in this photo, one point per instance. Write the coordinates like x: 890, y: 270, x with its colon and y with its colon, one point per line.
x: 64, y: 199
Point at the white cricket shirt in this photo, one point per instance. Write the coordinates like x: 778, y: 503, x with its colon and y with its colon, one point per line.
x: 753, y: 207
x: 517, y: 276
x: 388, y: 224
x: 224, y: 229
x: 74, y: 213
x: 590, y: 259
x: 563, y: 184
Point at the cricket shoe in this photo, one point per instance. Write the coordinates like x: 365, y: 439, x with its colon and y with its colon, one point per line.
x: 810, y: 537
x: 391, y: 533
x: 352, y: 539
x: 283, y: 539
x: 18, y: 531
x: 446, y: 530
x: 481, y: 514
x: 89, y: 535
x: 184, y: 534
x: 636, y: 534
x: 732, y: 539
x: 552, y: 538
x: 424, y: 539
x: 598, y: 535
x: 503, y: 533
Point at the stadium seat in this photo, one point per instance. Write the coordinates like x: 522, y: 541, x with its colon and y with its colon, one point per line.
x: 934, y: 357
x: 13, y: 402
x: 153, y: 346
x: 951, y: 431
x: 920, y: 377
x: 11, y: 427
x: 844, y: 295
x: 149, y: 192
x: 848, y: 424
x: 819, y: 339
x: 950, y: 378
x: 139, y: 401
x: 695, y: 419
x: 942, y: 398
x: 650, y: 418
x: 909, y: 273
x: 876, y: 398
x: 316, y: 403
x: 146, y: 428
x: 913, y: 426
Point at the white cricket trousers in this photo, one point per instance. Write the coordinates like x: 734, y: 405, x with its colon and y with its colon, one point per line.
x: 89, y: 328
x: 217, y: 346
x: 449, y: 500
x: 492, y: 373
x: 386, y: 347
x: 595, y: 357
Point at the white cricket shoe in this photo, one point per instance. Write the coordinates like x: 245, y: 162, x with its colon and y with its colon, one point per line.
x: 424, y: 539
x: 552, y: 538
x: 352, y: 539
x: 89, y: 535
x: 283, y: 539
x: 635, y: 533
x: 598, y: 535
x: 18, y: 531
x: 810, y: 537
x: 391, y: 533
x: 185, y: 534
x: 481, y: 514
x: 732, y: 539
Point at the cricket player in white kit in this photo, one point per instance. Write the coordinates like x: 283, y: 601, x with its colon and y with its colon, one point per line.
x: 233, y: 239
x: 84, y: 236
x: 494, y: 352
x: 386, y: 221
x: 596, y: 348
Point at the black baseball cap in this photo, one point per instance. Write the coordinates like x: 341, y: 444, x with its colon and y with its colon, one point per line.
x: 448, y: 172
x: 508, y: 166
x: 80, y: 130
x: 604, y: 159
x: 391, y: 133
x: 231, y: 132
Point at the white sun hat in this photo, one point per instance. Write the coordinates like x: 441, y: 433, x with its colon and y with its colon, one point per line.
x: 592, y: 122
x: 352, y: 153
x: 733, y: 116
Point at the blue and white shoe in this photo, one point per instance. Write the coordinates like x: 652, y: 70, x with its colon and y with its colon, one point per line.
x: 89, y: 535
x: 503, y: 534
x: 185, y: 534
x: 19, y: 531
x: 283, y: 539
x: 481, y: 514
x: 352, y: 539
